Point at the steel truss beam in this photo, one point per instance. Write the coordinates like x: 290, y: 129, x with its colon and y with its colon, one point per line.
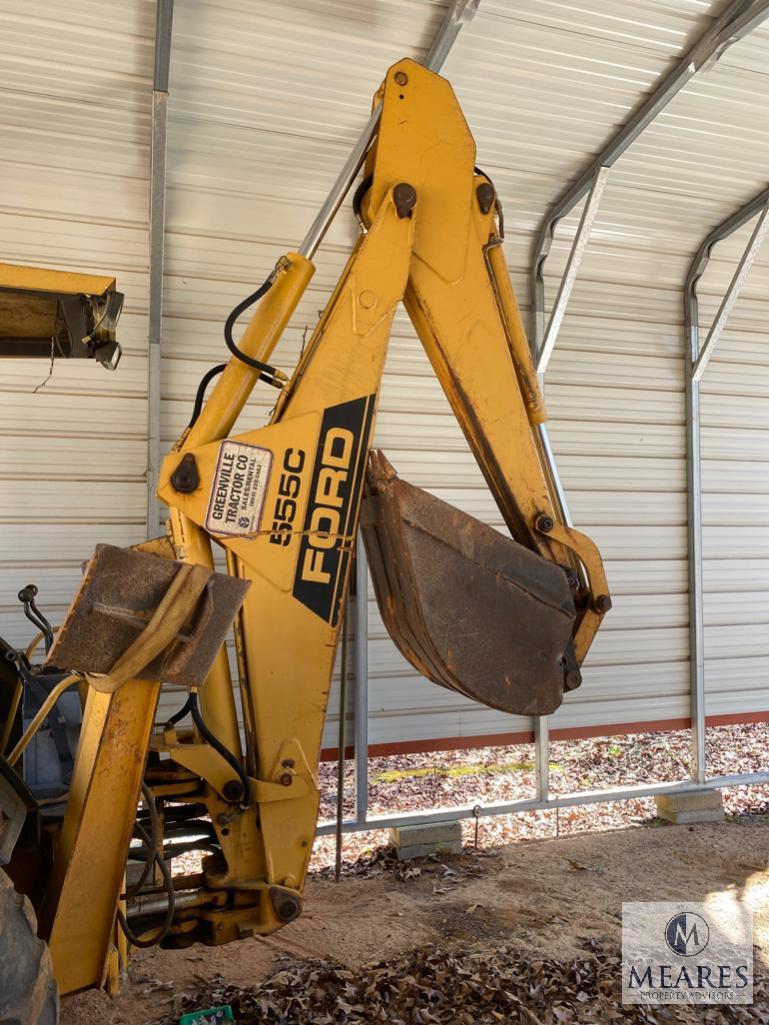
x: 737, y: 21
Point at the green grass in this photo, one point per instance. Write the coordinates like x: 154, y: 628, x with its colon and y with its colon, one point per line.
x: 457, y: 771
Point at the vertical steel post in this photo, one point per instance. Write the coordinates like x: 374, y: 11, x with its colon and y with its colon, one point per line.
x: 542, y: 757
x: 360, y: 677
x: 694, y: 541
x: 163, y: 22
x: 693, y: 367
x: 558, y: 496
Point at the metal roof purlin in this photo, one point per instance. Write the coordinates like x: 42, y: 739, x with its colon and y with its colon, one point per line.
x: 737, y: 21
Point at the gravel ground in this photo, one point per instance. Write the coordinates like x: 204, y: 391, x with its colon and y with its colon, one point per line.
x: 493, y: 775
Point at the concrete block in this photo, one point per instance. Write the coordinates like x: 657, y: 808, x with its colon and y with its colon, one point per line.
x: 420, y: 841
x: 698, y: 806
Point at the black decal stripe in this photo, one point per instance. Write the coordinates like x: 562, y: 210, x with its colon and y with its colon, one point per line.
x: 323, y: 599
x: 356, y: 495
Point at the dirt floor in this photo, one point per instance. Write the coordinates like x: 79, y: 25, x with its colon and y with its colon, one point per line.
x: 551, y: 897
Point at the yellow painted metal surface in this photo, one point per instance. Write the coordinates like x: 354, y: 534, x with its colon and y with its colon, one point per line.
x: 461, y: 303
x: 78, y: 914
x: 62, y: 282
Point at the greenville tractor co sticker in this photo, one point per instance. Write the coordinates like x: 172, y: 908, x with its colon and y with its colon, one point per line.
x: 237, y: 494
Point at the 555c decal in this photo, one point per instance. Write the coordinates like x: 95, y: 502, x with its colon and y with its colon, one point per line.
x: 289, y: 484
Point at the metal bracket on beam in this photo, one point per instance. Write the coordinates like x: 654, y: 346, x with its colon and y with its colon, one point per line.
x: 578, y: 246
x: 731, y: 295
x: 739, y: 19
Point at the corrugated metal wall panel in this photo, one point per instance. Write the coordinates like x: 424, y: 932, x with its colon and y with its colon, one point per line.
x: 75, y: 91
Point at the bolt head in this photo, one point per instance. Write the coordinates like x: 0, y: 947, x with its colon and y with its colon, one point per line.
x: 405, y: 197
x: 401, y: 77
x: 603, y: 603
x: 287, y: 905
x: 544, y: 523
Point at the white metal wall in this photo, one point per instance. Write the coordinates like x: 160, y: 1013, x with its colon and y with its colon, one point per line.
x: 266, y: 100
x: 75, y: 89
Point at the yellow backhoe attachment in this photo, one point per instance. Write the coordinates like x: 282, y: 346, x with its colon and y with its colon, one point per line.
x: 506, y: 620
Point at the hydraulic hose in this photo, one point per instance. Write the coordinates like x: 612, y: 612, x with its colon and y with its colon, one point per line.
x: 205, y: 380
x: 267, y: 371
x: 217, y: 745
x: 153, y: 841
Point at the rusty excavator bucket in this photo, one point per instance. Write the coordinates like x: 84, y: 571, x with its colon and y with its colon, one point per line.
x: 469, y: 608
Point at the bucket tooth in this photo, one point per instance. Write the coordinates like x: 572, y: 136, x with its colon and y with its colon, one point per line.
x: 469, y: 608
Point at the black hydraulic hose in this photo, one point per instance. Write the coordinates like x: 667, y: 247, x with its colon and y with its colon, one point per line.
x: 205, y: 380
x: 229, y: 324
x: 357, y: 199
x: 218, y: 746
x: 266, y: 371
x: 150, y: 840
x: 149, y: 860
x: 184, y: 710
x: 155, y: 844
